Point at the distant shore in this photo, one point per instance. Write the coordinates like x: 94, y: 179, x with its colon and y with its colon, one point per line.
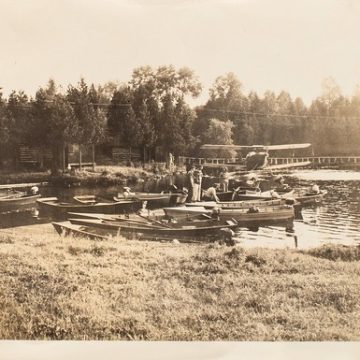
x: 77, y: 289
x: 100, y: 176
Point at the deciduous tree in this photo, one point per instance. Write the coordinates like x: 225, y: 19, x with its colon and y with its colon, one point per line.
x: 220, y: 132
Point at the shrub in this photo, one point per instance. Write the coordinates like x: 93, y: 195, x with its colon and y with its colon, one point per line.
x: 73, y: 250
x: 336, y: 252
x: 97, y: 250
x: 255, y: 259
x: 6, y: 239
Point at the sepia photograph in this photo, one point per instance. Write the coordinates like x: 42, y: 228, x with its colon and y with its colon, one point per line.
x: 179, y: 178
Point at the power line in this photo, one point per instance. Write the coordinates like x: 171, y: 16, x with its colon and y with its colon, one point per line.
x: 30, y: 104
x: 279, y: 115
x: 246, y: 113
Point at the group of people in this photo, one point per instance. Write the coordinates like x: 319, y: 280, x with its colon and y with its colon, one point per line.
x: 194, y: 186
x: 197, y: 192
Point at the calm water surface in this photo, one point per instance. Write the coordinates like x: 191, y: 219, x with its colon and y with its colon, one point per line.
x: 337, y: 220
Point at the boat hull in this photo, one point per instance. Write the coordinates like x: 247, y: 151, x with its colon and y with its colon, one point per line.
x: 68, y: 229
x: 245, y: 217
x: 53, y: 207
x: 157, y: 200
x: 305, y: 199
x: 238, y: 204
x: 17, y: 203
x: 192, y: 230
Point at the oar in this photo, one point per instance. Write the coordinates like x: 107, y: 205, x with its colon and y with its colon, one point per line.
x: 155, y: 221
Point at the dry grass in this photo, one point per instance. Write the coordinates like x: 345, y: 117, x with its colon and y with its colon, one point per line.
x: 63, y: 288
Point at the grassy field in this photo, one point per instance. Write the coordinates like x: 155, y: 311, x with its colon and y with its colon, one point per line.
x: 64, y: 288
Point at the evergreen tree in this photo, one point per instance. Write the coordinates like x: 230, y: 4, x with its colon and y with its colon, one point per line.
x: 90, y: 117
x: 54, y: 124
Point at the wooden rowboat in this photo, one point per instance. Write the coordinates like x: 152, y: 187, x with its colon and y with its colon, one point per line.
x: 256, y: 216
x: 248, y: 204
x: 302, y: 196
x: 306, y: 198
x: 66, y: 228
x: 209, y: 229
x: 238, y: 204
x: 156, y: 199
x: 55, y: 207
x: 17, y: 201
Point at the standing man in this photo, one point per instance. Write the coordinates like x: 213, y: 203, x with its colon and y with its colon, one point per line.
x: 171, y: 162
x: 224, y: 179
x: 191, y: 182
x: 198, y: 175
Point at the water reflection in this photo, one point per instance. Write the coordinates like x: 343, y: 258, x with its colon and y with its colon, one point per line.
x: 336, y: 220
x: 28, y: 216
x: 326, y: 175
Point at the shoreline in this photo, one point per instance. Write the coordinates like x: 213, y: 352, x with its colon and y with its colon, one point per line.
x: 101, y: 176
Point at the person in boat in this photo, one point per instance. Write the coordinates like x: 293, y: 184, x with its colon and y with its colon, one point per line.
x: 210, y: 193
x: 215, y: 214
x: 184, y: 191
x: 274, y: 194
x: 174, y: 189
x: 34, y: 190
x: 224, y: 179
x: 144, y: 211
x: 128, y: 193
x: 253, y: 210
x: 254, y: 189
x: 315, y: 189
x: 252, y: 181
x: 280, y: 184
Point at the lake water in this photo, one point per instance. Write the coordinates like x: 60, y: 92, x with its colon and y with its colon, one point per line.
x: 336, y: 220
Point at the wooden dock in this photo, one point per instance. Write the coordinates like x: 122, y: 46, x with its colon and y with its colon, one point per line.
x: 23, y: 185
x: 318, y: 161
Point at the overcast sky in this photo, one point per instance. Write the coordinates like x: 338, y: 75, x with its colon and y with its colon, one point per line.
x: 269, y: 44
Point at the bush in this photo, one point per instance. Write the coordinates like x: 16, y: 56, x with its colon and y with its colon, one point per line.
x: 336, y: 252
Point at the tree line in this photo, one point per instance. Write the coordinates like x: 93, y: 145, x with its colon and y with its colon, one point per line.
x: 331, y: 123
x: 152, y: 112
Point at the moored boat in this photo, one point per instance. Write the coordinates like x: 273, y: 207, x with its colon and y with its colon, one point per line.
x: 248, y: 204
x: 116, y: 217
x: 305, y: 197
x: 53, y: 206
x: 193, y: 231
x: 181, y: 213
x: 245, y: 217
x: 66, y: 228
x: 17, y: 201
x: 248, y: 194
x: 238, y: 204
x: 155, y: 199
